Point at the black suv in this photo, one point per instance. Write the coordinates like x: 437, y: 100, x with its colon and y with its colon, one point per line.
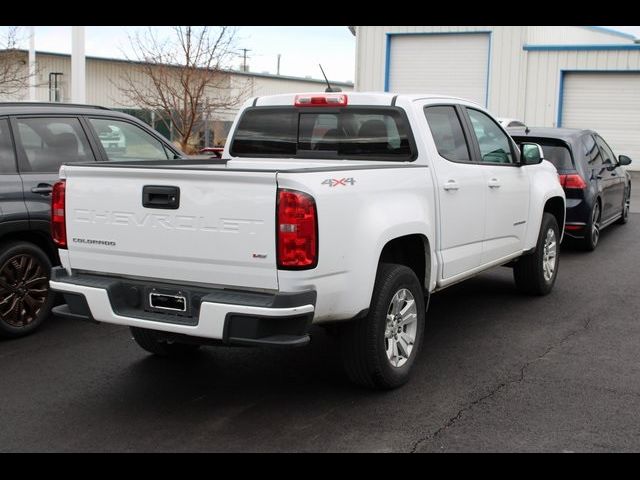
x: 598, y: 190
x: 35, y: 140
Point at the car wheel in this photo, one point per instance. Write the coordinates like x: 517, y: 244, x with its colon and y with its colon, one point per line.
x: 379, y: 350
x: 536, y: 273
x: 592, y: 232
x: 625, y: 210
x: 150, y: 341
x: 25, y: 298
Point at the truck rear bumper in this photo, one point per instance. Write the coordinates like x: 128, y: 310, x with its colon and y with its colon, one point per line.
x: 232, y: 317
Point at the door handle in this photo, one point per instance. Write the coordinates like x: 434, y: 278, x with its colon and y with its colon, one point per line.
x: 494, y: 183
x: 42, y: 189
x: 451, y: 185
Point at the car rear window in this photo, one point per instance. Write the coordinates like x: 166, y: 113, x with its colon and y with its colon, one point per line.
x: 348, y: 133
x: 556, y: 151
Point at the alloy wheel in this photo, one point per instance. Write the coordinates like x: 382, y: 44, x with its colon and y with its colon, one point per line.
x: 549, y: 254
x: 595, y: 224
x: 23, y: 290
x: 401, y: 327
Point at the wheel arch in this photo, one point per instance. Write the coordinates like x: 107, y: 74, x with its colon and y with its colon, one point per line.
x: 556, y: 207
x: 38, y: 239
x: 413, y: 251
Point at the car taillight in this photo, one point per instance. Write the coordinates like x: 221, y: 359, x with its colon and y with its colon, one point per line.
x: 321, y: 100
x: 572, y: 181
x: 297, y: 230
x: 58, y: 223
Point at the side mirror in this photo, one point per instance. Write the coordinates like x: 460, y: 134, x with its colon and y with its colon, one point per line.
x: 532, y: 154
x: 624, y: 160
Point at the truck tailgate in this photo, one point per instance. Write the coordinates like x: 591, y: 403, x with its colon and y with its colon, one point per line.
x: 221, y: 233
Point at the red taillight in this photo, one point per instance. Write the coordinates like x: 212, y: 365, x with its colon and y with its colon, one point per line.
x: 58, y: 223
x: 320, y: 100
x: 572, y: 181
x: 297, y: 230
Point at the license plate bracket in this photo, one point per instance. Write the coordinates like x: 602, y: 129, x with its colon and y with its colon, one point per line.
x: 168, y: 301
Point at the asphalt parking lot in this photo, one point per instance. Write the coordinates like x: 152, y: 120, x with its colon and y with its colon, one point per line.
x: 499, y: 372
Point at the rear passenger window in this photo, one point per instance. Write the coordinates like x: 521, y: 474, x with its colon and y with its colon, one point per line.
x: 7, y: 155
x: 125, y: 141
x: 50, y: 142
x: 447, y: 133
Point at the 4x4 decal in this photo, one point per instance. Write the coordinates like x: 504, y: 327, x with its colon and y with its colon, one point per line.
x: 335, y: 182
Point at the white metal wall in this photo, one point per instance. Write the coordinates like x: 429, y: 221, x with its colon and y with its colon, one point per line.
x: 543, y: 77
x: 461, y: 60
x: 508, y: 68
x: 608, y: 103
x: 572, y: 35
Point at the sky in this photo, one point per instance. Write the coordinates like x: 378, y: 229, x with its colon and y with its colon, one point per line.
x: 302, y: 48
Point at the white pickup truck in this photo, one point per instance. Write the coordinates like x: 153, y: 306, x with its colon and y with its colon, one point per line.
x: 340, y: 210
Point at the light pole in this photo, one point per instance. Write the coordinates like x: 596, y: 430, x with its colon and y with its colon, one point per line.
x: 32, y: 64
x: 78, y: 80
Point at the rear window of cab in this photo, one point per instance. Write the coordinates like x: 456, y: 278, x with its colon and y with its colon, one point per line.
x: 354, y: 133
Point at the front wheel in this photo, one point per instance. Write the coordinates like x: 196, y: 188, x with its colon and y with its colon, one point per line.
x: 536, y: 273
x: 625, y: 210
x: 379, y: 350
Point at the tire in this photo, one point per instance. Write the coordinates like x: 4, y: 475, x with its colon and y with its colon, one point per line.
x: 25, y: 298
x: 592, y: 235
x: 150, y: 341
x: 529, y: 272
x: 624, y: 219
x: 364, y: 342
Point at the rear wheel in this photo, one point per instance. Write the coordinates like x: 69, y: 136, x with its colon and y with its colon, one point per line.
x: 536, y: 273
x: 380, y: 349
x: 25, y: 298
x: 150, y: 341
x: 592, y: 230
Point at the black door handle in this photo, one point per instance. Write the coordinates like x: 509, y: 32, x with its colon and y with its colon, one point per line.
x: 154, y: 196
x: 42, y: 189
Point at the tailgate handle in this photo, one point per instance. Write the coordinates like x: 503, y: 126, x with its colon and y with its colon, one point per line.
x: 154, y: 196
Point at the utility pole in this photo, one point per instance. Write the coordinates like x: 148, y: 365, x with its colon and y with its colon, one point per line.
x: 32, y: 64
x: 244, y: 61
x: 78, y: 79
x: 278, y: 69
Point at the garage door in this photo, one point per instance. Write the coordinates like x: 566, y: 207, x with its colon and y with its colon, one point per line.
x: 442, y: 64
x: 608, y: 103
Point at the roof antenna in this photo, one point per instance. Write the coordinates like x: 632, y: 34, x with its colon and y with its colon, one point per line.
x: 329, y: 87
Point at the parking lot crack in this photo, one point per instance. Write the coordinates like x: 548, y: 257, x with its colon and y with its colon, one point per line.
x: 497, y: 388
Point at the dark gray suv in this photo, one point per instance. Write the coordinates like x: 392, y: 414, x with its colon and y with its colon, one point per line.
x: 35, y: 140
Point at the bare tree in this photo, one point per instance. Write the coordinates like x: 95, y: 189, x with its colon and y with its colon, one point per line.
x: 14, y: 71
x: 183, y: 78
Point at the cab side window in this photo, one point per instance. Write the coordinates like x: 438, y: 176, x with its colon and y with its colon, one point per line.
x: 50, y: 142
x: 447, y: 133
x: 7, y: 154
x: 495, y: 146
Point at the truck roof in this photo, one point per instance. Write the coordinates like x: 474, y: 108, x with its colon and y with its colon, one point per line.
x: 355, y: 98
